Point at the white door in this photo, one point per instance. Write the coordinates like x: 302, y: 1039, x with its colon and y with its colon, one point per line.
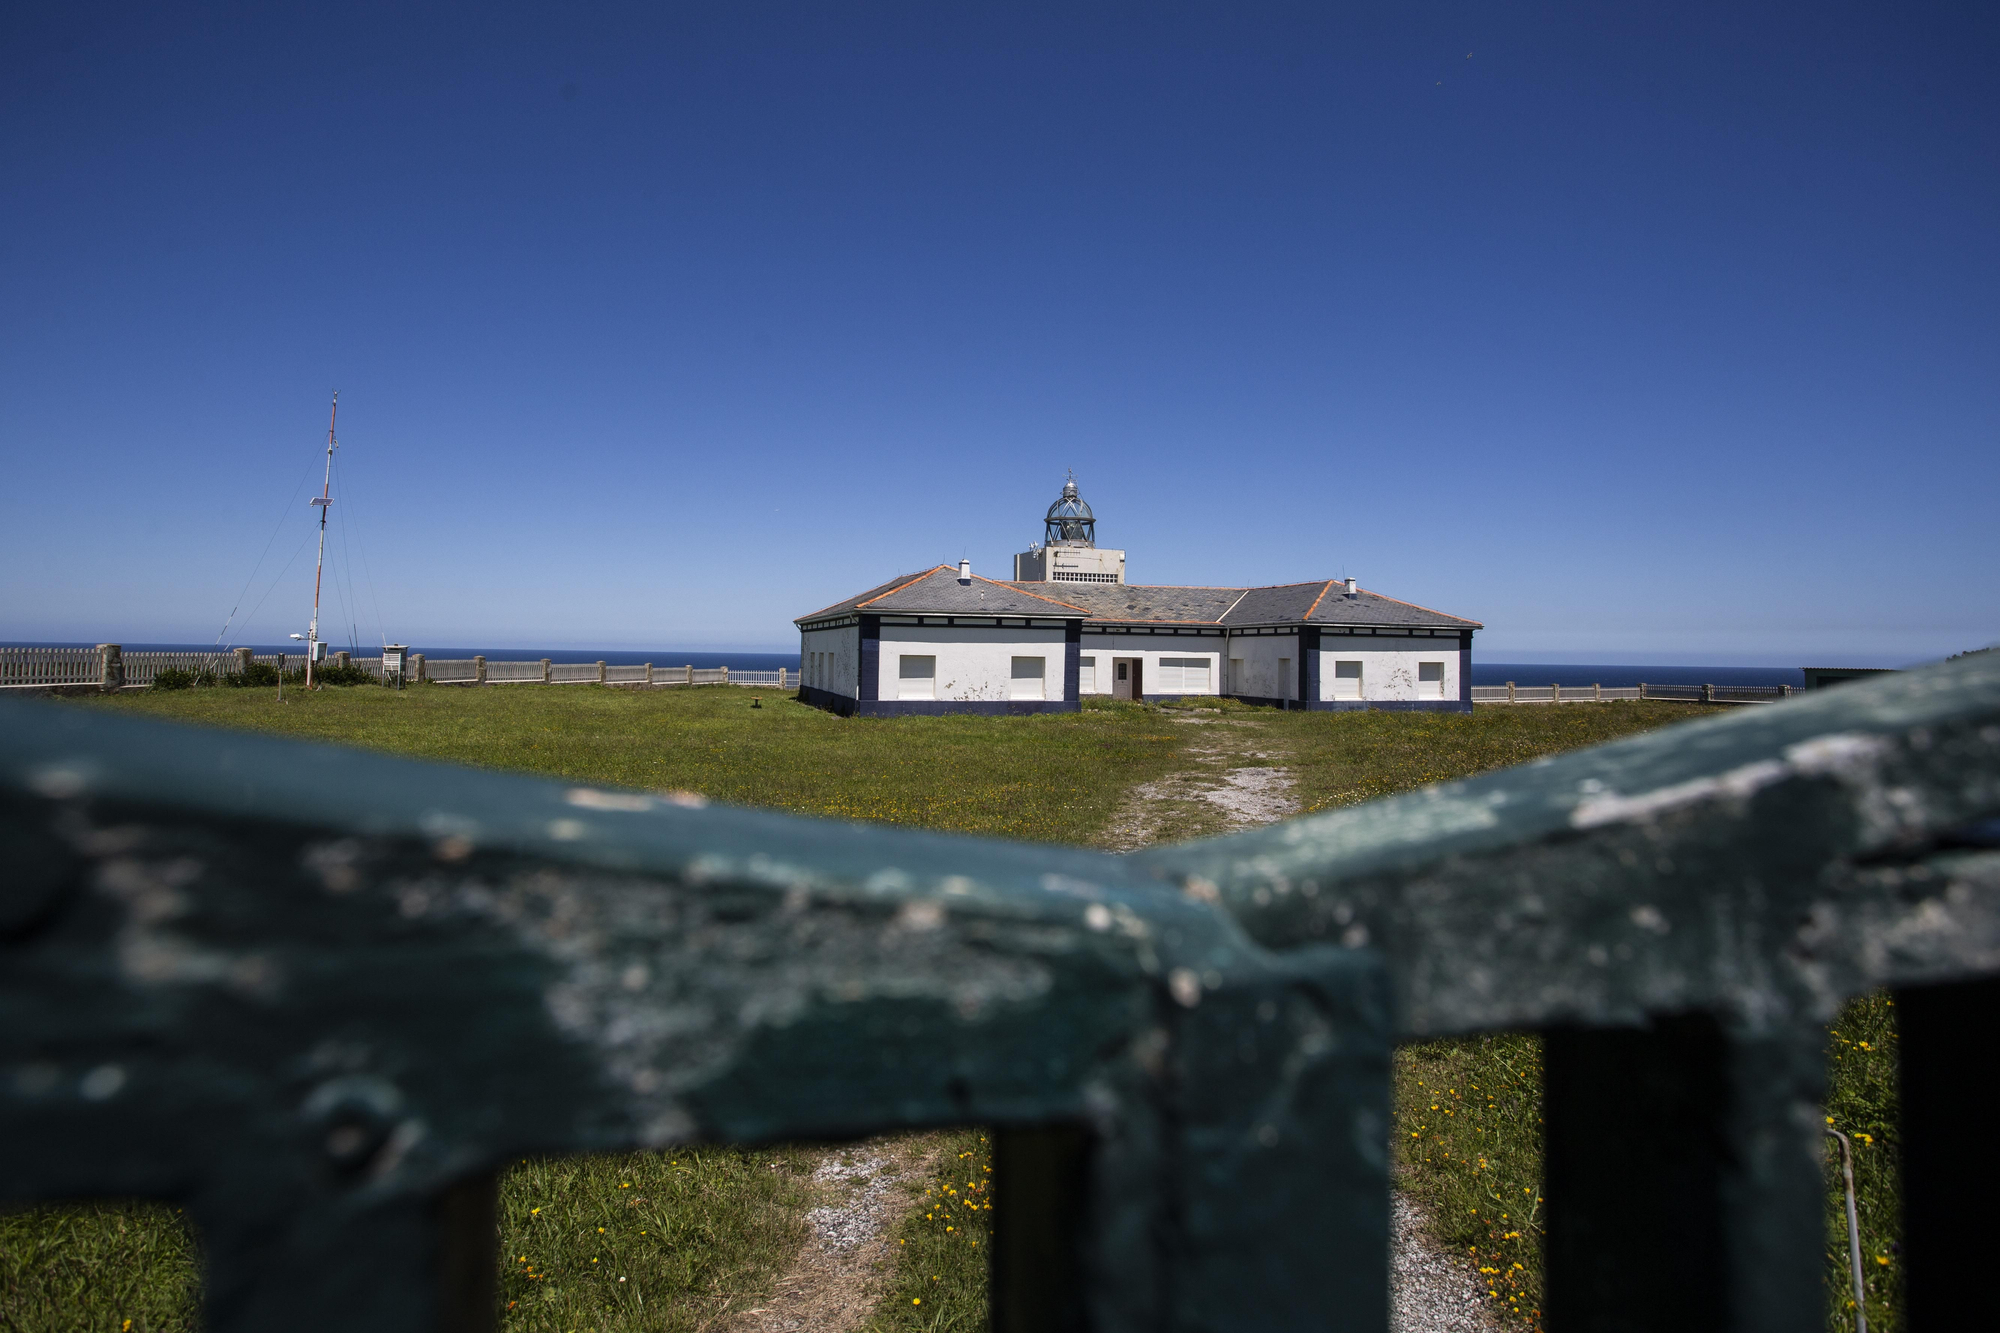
x: 1347, y: 680
x: 1029, y: 673
x: 916, y: 676
x: 1284, y: 678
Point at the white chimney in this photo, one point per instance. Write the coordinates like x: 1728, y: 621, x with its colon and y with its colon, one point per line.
x: 1350, y: 587
x: 965, y: 572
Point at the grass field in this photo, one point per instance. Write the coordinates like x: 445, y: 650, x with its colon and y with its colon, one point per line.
x: 1049, y: 778
x: 695, y: 1232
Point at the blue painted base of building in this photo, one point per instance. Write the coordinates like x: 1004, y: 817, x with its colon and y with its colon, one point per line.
x: 847, y: 706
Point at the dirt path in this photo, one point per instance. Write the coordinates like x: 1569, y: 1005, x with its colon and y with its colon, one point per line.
x: 838, y: 1277
x: 1238, y: 778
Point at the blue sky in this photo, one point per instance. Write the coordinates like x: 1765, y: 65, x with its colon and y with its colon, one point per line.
x: 1660, y: 333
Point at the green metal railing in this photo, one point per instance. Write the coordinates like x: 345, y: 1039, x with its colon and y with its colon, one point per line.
x: 317, y: 996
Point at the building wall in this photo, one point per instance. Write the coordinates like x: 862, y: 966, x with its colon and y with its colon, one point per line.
x: 974, y: 663
x: 1152, y: 647
x: 839, y: 670
x: 1070, y: 564
x: 1390, y: 668
x: 1260, y: 675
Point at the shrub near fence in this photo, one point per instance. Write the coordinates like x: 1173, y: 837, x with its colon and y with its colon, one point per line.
x: 1186, y: 1050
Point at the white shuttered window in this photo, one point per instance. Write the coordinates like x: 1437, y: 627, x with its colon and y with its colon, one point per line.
x: 1183, y: 675
x: 916, y: 677
x: 1028, y: 675
x: 1086, y: 675
x: 1430, y: 680
x: 1347, y: 680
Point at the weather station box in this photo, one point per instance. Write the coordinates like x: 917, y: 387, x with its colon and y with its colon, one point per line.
x: 392, y: 658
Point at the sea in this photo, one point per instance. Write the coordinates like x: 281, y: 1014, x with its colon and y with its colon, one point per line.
x: 1483, y: 673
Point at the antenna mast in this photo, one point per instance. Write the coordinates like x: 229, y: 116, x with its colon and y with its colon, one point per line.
x: 323, y: 501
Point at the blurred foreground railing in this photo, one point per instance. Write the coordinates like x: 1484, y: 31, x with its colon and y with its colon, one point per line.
x: 318, y: 997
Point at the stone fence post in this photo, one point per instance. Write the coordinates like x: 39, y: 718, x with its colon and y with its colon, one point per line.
x: 478, y: 671
x: 1597, y: 693
x: 417, y: 667
x: 1510, y: 691
x: 690, y: 671
x: 343, y: 658
x: 1557, y: 696
x: 602, y: 678
x: 245, y: 659
x: 548, y: 672
x: 1708, y: 694
x: 110, y: 667
x: 1642, y: 689
x: 649, y: 673
x: 725, y: 675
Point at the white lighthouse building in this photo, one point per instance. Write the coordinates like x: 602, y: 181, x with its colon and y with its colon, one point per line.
x: 1068, y: 625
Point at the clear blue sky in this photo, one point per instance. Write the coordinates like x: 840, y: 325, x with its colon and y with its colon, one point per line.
x: 1659, y: 333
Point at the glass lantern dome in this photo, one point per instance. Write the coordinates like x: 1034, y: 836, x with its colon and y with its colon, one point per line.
x: 1069, y: 521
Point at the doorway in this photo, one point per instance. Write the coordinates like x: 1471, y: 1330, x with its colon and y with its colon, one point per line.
x: 1127, y: 678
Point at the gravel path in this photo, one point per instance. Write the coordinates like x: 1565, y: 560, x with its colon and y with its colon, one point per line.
x: 1430, y: 1290
x: 839, y: 1275
x: 1237, y: 780
x: 1231, y: 783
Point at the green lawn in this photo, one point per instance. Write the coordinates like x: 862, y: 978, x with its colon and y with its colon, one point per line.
x: 697, y: 1232
x: 1050, y: 778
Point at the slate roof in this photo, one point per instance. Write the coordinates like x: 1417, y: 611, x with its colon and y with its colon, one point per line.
x: 938, y: 592
x: 1139, y: 602
x: 1323, y: 602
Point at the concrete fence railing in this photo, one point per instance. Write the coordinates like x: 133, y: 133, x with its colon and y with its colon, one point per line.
x: 1511, y: 693
x: 108, y: 666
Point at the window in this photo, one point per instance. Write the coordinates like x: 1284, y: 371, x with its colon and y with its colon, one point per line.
x: 1347, y: 680
x: 1183, y: 675
x: 1086, y: 675
x: 1284, y: 678
x: 1028, y: 673
x: 916, y: 677
x: 1430, y: 680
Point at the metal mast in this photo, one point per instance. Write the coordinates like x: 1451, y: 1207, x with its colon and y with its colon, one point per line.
x: 322, y: 501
